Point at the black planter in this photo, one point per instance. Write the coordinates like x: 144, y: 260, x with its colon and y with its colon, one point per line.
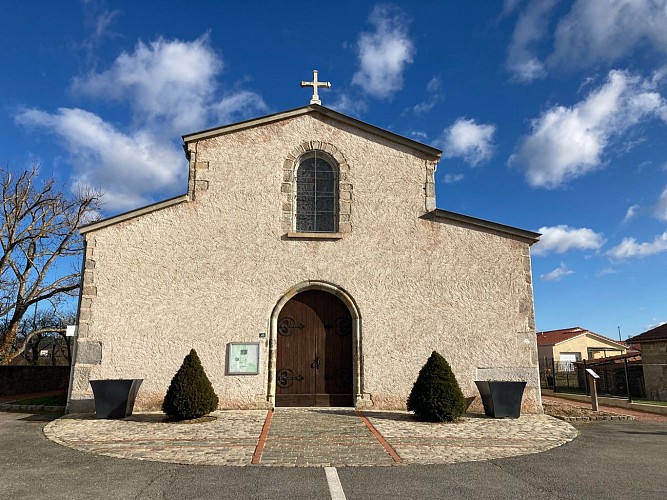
x: 501, y: 398
x: 115, y: 398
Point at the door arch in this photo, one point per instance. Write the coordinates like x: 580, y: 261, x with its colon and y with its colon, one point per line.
x: 314, y: 348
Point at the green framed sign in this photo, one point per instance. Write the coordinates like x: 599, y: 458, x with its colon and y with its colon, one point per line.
x: 243, y: 358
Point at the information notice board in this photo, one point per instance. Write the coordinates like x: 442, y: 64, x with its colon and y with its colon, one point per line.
x: 243, y: 358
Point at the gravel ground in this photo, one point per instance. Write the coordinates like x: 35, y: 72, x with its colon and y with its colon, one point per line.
x: 561, y: 407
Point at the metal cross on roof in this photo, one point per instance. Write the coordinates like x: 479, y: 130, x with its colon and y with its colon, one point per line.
x: 316, y: 98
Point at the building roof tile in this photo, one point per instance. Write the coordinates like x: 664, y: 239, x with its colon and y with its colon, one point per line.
x: 553, y: 337
x: 657, y: 333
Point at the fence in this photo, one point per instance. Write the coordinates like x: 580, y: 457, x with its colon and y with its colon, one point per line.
x: 646, y: 381
x: 25, y: 379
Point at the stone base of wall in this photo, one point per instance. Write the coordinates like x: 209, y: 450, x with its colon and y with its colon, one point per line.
x: 153, y: 402
x: 81, y: 406
x: 530, y: 404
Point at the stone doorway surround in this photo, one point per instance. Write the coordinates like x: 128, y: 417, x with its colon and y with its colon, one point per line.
x: 361, y: 400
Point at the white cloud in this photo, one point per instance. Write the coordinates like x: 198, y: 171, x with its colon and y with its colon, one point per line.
x: 237, y: 106
x: 605, y: 272
x: 655, y: 324
x: 562, y: 238
x: 127, y: 168
x: 452, y: 178
x: 433, y: 89
x: 468, y: 140
x: 591, y: 32
x: 557, y: 274
x: 607, y: 31
x: 631, y: 213
x: 98, y: 21
x: 629, y: 248
x: 510, y: 6
x: 157, y: 81
x: 566, y: 143
x: 384, y: 53
x: 530, y: 29
x: 349, y: 105
x: 419, y: 135
x: 166, y: 99
x: 661, y: 206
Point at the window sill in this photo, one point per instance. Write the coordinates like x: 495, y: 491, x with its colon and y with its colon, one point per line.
x: 315, y: 236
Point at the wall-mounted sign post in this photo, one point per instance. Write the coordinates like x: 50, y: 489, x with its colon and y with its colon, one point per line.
x: 594, y: 390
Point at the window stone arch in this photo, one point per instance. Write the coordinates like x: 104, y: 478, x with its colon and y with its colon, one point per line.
x: 289, y: 184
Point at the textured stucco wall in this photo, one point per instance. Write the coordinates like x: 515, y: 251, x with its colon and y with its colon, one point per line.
x: 210, y: 271
x: 654, y: 358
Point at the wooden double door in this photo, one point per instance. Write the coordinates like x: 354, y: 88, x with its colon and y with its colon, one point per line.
x: 314, y: 358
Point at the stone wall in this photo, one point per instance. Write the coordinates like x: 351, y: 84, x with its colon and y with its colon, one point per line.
x: 210, y: 271
x: 654, y: 360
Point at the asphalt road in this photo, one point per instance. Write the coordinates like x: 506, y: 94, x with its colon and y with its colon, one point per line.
x: 609, y: 460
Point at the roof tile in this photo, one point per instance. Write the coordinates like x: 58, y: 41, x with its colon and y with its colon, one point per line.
x: 552, y: 337
x: 657, y: 333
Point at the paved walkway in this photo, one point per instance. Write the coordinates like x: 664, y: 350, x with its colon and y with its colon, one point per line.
x: 310, y: 437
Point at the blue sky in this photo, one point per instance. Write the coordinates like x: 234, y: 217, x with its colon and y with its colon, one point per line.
x: 552, y: 115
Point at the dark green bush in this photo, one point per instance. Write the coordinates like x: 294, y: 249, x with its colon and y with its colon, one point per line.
x: 436, y: 395
x: 190, y: 394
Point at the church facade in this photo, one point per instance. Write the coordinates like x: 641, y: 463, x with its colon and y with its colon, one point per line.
x: 307, y: 265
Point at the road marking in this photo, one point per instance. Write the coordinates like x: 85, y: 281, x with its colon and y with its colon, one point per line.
x: 335, y: 488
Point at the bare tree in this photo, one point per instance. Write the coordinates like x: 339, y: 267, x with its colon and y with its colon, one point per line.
x: 44, y: 329
x: 39, y: 239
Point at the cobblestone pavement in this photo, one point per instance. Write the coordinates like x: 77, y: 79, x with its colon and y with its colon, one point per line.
x: 321, y: 437
x: 310, y: 437
x: 476, y: 438
x: 228, y: 440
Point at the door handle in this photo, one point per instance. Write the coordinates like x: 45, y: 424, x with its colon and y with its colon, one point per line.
x: 316, y: 364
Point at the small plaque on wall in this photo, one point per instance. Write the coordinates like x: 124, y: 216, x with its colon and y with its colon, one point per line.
x: 243, y: 358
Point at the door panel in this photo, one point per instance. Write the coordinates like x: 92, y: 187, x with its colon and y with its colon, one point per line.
x: 314, y: 358
x: 295, y: 380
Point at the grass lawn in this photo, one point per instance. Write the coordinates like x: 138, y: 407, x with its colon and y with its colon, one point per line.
x: 649, y: 402
x: 57, y: 400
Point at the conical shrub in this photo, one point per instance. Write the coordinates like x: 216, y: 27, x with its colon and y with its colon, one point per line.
x: 190, y: 394
x: 436, y: 395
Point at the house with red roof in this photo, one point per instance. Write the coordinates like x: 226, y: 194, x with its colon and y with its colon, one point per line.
x: 575, y: 344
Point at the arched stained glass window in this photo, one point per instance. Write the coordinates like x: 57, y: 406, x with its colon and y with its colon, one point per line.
x: 316, y: 195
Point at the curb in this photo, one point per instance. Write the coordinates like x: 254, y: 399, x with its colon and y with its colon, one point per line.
x: 592, y: 419
x: 31, y: 408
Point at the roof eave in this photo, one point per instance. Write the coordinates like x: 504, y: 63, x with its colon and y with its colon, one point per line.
x: 110, y: 221
x: 434, y: 153
x: 597, y: 336
x: 528, y: 236
x: 635, y: 340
